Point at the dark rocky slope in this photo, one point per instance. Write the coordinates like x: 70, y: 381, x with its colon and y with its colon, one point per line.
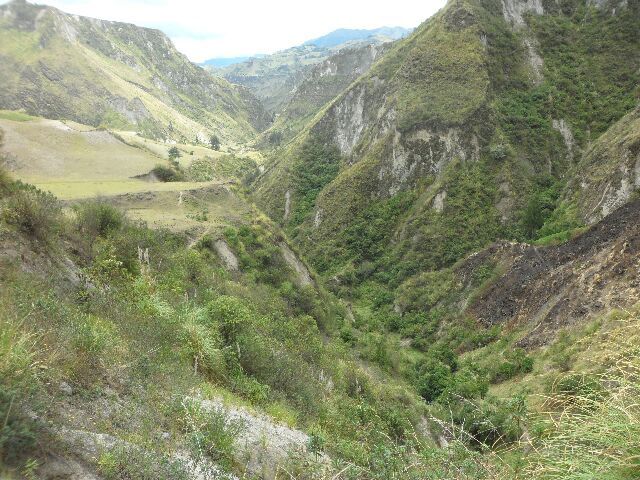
x: 545, y: 289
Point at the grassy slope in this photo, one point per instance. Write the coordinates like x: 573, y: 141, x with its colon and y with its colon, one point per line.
x: 76, y: 162
x: 82, y: 76
x: 131, y: 340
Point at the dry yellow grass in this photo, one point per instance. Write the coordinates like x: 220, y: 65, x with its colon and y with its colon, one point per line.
x: 44, y: 151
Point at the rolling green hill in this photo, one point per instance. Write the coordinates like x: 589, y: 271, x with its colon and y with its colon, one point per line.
x: 116, y: 75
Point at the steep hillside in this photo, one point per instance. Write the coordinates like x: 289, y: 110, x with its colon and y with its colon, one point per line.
x: 117, y: 75
x: 128, y: 353
x: 609, y: 172
x: 463, y: 133
x: 321, y: 84
x: 539, y: 291
x: 275, y: 78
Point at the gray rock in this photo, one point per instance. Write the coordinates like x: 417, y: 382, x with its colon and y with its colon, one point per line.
x: 65, y: 388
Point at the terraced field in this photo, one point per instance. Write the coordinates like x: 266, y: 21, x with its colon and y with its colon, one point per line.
x: 76, y: 162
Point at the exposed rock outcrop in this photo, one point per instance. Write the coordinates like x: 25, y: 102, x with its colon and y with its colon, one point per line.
x: 514, y: 10
x: 609, y: 172
x: 302, y: 272
x: 262, y: 446
x: 226, y: 255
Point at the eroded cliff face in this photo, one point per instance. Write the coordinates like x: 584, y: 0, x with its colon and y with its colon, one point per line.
x: 375, y: 119
x: 609, y: 174
x: 321, y: 84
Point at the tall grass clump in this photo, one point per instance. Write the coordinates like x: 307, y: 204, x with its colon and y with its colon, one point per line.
x: 5, y: 181
x: 17, y: 381
x: 594, y: 422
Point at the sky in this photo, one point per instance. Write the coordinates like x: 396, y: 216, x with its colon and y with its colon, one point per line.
x: 206, y: 29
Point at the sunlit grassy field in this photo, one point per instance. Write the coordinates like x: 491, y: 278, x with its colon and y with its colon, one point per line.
x: 75, y: 162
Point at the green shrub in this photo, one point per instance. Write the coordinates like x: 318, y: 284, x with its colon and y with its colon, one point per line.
x: 467, y: 383
x: 432, y: 377
x: 202, y: 344
x: 231, y: 314
x: 167, y: 174
x: 516, y: 362
x: 251, y: 389
x: 34, y: 213
x: 174, y: 154
x: 210, y: 431
x: 259, y: 254
x: 98, y: 219
x: 541, y: 205
x: 316, y: 165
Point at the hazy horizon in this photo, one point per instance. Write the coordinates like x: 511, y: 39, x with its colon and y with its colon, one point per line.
x: 202, y: 30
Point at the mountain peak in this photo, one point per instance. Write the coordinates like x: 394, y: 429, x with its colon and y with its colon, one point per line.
x: 344, y: 35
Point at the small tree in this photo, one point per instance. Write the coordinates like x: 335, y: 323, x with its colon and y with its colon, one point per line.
x: 215, y: 142
x: 174, y: 154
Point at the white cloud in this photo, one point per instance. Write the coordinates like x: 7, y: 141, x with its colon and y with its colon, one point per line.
x: 205, y: 29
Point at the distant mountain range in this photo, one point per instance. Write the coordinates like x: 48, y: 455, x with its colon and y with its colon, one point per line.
x: 344, y: 35
x: 227, y: 61
x: 330, y: 40
x: 274, y: 78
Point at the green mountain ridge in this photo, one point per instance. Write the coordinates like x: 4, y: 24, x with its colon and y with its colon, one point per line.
x: 275, y: 78
x: 343, y: 35
x: 117, y: 75
x: 445, y: 116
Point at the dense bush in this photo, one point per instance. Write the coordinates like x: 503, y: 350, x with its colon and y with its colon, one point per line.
x: 259, y: 254
x: 167, y: 174
x: 316, y: 165
x: 516, y: 362
x: 541, y: 205
x: 34, y: 213
x: 432, y: 377
x: 97, y: 219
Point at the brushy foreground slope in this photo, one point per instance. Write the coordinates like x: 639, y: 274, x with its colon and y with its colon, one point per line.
x: 119, y: 341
